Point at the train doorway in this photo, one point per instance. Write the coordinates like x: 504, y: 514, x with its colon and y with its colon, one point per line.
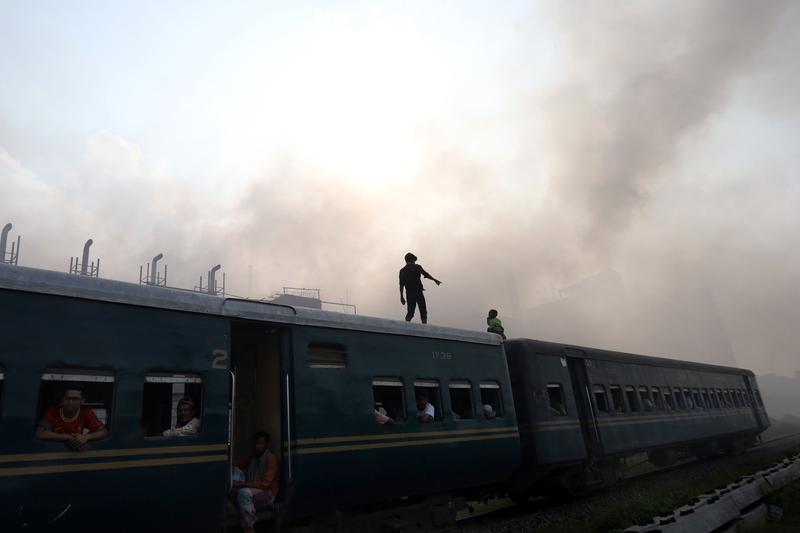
x: 256, y: 364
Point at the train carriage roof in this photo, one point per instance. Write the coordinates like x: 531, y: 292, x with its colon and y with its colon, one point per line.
x: 40, y: 281
x: 554, y: 348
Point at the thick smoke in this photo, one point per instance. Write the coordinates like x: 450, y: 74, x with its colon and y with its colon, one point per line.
x: 622, y: 177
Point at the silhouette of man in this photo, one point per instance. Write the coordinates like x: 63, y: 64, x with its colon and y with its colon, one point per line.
x: 410, y: 279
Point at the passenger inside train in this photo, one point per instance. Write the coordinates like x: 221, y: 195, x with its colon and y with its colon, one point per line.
x: 186, y: 423
x: 381, y: 417
x: 426, y: 412
x: 255, y: 480
x: 71, y: 422
x: 489, y: 412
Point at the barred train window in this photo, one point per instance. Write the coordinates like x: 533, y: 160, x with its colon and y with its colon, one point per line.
x: 618, y: 404
x: 490, y: 395
x: 668, y: 401
x: 389, y: 397
x: 630, y: 395
x: 656, y: 392
x: 326, y: 355
x: 688, y: 399
x: 680, y: 401
x: 698, y: 402
x: 172, y: 404
x: 707, y: 399
x: 644, y: 396
x: 555, y: 395
x: 461, y: 400
x: 429, y: 388
x: 97, y: 389
x: 600, y: 398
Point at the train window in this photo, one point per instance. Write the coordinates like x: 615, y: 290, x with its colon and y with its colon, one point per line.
x: 687, y: 395
x: 714, y: 399
x: 657, y: 398
x: 668, y: 401
x: 727, y: 397
x: 600, y: 398
x: 720, y: 398
x: 746, y: 394
x: 737, y: 398
x: 758, y: 399
x: 618, y: 404
x: 630, y: 395
x: 680, y: 401
x: 706, y: 398
x: 555, y: 395
x: 389, y: 398
x: 698, y: 401
x: 490, y: 395
x: 324, y: 355
x: 428, y: 389
x: 172, y: 404
x: 96, y: 386
x: 644, y: 396
x: 461, y: 400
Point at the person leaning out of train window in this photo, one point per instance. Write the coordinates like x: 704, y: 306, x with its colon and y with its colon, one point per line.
x: 71, y: 422
x: 425, y: 411
x: 381, y: 417
x: 255, y: 480
x: 187, y: 424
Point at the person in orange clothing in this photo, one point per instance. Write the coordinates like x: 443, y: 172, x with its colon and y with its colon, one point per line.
x: 70, y: 422
x: 255, y: 480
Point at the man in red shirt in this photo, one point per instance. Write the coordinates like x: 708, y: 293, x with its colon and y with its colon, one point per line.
x: 70, y: 422
x: 255, y: 480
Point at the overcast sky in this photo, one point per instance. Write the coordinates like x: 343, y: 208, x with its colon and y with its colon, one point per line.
x: 516, y: 147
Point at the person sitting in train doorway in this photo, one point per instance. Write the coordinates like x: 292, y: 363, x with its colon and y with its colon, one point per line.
x: 255, y: 480
x: 495, y: 326
x: 186, y: 424
x: 411, y: 280
x: 426, y: 412
x: 70, y: 422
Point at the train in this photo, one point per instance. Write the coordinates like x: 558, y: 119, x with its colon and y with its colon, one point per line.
x: 515, y: 418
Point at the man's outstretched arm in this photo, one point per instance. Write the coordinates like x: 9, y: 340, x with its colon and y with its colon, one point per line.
x: 425, y: 274
x: 402, y: 300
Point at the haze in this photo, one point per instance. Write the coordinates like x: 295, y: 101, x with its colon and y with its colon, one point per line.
x: 615, y: 174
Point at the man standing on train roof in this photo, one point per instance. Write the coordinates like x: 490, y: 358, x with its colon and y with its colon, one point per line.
x: 410, y: 278
x: 70, y: 422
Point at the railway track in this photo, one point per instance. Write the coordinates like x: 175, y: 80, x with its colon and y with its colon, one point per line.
x: 485, y: 516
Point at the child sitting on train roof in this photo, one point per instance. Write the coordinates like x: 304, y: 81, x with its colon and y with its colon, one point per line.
x: 495, y: 326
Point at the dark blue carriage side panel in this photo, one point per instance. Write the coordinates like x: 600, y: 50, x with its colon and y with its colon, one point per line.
x: 636, y: 430
x: 340, y: 457
x: 125, y: 482
x: 545, y: 438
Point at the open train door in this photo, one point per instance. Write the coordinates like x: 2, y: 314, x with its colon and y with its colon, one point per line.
x: 577, y: 362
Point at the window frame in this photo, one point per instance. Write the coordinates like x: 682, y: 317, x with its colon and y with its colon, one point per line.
x: 630, y: 392
x: 430, y: 383
x: 80, y: 376
x: 599, y: 388
x: 618, y: 408
x: 392, y: 381
x: 461, y: 384
x: 658, y: 401
x: 173, y: 378
x: 562, y: 398
x: 493, y: 384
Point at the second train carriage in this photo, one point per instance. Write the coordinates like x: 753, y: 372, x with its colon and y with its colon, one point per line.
x: 311, y: 378
x: 582, y: 409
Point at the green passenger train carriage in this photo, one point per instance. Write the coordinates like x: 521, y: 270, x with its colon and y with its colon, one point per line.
x: 312, y: 379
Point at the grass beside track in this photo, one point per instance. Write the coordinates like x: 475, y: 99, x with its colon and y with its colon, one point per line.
x: 639, y: 506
